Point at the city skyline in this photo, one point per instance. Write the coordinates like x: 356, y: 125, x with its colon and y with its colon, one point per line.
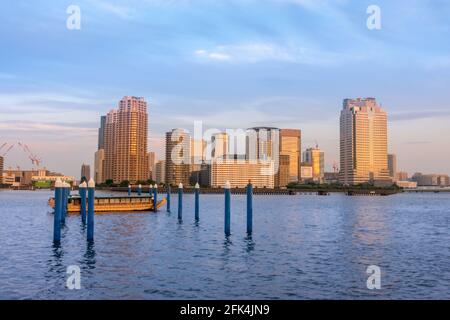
x: 243, y: 67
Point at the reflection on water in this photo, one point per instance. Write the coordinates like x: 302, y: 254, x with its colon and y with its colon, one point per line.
x: 302, y: 247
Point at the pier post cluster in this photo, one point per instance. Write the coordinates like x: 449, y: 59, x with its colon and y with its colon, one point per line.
x: 87, y: 196
x: 62, y: 194
x: 227, y: 193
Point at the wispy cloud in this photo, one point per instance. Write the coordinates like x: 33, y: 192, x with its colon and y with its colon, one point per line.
x: 255, y: 52
x: 419, y: 115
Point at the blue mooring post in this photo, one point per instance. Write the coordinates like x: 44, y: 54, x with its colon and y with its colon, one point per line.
x: 197, y: 202
x: 168, y: 197
x: 180, y: 201
x: 249, y: 208
x: 57, y: 216
x: 64, y: 197
x: 140, y: 190
x: 227, y: 209
x: 129, y: 190
x: 90, y: 217
x: 155, y: 198
x: 82, y: 189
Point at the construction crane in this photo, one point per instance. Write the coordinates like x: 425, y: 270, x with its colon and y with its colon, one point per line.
x: 7, y: 150
x: 35, y: 160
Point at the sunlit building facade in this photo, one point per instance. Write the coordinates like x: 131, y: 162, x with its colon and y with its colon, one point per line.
x: 315, y: 158
x: 363, y: 143
x: 125, y: 141
x: 240, y: 171
x: 291, y: 145
x: 178, y: 157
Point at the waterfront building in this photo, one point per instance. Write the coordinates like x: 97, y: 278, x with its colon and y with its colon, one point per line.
x: 101, y: 133
x: 151, y: 165
x: 282, y: 177
x: 315, y: 158
x: 39, y: 178
x: 262, y: 143
x: 363, y: 143
x: 392, y: 166
x: 239, y: 172
x: 198, y: 151
x: 85, y: 172
x: 178, y: 157
x: 125, y: 141
x: 331, y: 177
x: 160, y: 172
x: 429, y: 180
x: 401, y: 176
x: 99, y: 166
x: 406, y: 184
x: 291, y: 145
x: 219, y: 146
x: 307, y: 172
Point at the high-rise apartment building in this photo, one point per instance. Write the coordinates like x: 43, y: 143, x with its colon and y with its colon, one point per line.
x: 125, y: 141
x: 263, y: 143
x: 282, y: 177
x: 363, y: 142
x: 178, y: 157
x: 198, y: 149
x: 151, y: 164
x: 315, y: 158
x: 160, y: 172
x: 85, y: 172
x: 99, y: 166
x: 291, y: 145
x: 219, y: 146
x: 392, y: 166
x: 101, y: 133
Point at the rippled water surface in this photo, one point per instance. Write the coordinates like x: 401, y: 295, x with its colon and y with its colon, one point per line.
x: 303, y: 247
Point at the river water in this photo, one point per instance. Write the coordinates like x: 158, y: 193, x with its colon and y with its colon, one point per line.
x: 303, y: 247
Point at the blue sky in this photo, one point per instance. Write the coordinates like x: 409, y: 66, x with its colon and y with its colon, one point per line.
x: 229, y: 63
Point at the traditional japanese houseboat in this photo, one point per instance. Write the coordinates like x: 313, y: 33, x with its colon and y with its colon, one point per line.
x: 105, y: 204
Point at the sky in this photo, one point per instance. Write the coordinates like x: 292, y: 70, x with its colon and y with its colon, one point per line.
x: 228, y: 63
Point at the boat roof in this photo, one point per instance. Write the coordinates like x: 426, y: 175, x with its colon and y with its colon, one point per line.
x: 114, y: 197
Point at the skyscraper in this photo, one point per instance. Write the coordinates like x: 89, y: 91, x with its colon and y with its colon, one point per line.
x: 178, y: 158
x: 315, y: 158
x: 263, y: 143
x: 363, y: 142
x: 125, y: 141
x: 101, y: 133
x: 99, y: 166
x: 151, y: 164
x: 392, y: 165
x: 85, y: 172
x: 291, y: 145
x: 160, y: 172
x: 220, y: 145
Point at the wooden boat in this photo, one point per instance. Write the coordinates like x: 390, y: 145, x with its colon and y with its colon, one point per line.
x: 113, y: 204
